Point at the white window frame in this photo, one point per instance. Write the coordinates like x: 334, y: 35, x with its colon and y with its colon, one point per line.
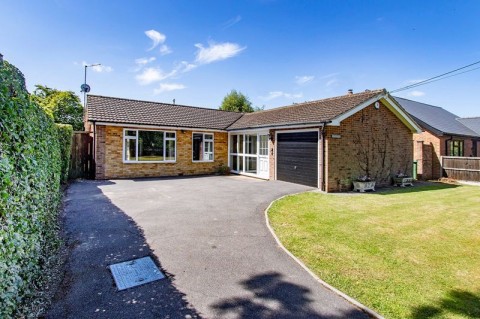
x: 244, y: 154
x: 203, y: 153
x: 135, y: 138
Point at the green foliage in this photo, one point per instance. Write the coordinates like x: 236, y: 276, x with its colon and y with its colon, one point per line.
x: 236, y: 102
x: 29, y: 192
x: 63, y: 106
x: 65, y: 134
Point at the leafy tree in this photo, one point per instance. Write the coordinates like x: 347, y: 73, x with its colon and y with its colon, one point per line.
x: 236, y: 102
x: 63, y: 106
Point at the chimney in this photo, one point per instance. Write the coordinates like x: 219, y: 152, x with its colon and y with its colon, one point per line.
x: 349, y: 92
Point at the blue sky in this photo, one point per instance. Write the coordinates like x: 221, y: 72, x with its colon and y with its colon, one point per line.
x: 275, y: 52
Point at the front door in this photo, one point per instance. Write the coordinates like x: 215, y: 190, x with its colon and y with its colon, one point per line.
x: 263, y: 156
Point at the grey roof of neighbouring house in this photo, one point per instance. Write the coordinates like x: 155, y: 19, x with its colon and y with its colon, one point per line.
x: 312, y: 112
x: 472, y: 123
x: 126, y: 111
x: 435, y: 118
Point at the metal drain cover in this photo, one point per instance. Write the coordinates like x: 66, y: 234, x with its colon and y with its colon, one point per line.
x: 135, y: 272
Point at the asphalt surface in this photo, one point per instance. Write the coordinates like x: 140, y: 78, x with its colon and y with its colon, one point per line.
x: 210, y: 237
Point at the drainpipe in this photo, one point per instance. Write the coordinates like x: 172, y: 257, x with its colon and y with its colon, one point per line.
x: 322, y: 156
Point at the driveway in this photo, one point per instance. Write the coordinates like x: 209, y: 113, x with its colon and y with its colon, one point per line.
x: 210, y: 237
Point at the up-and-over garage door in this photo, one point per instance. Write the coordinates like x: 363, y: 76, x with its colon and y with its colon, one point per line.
x: 297, y: 158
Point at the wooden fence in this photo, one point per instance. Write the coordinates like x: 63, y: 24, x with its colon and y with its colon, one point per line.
x: 461, y: 168
x: 81, y: 161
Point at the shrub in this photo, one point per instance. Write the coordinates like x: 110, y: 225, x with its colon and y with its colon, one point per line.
x: 65, y: 134
x: 29, y: 192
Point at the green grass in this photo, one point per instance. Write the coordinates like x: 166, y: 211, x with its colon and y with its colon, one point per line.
x: 408, y: 253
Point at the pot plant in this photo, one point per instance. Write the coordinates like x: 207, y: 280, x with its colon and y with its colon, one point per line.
x: 363, y: 183
x: 402, y: 180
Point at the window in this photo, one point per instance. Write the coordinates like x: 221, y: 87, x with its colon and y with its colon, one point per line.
x: 202, y: 147
x: 263, y: 147
x: 148, y: 146
x: 455, y: 148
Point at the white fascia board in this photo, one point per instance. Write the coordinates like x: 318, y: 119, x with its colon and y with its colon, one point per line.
x: 402, y: 114
x: 336, y: 121
x: 160, y: 127
x: 390, y: 104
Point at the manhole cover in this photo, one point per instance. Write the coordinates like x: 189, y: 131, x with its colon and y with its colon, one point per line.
x: 135, y: 273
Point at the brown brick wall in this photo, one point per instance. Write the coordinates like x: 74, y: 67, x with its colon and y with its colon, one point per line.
x: 109, y: 161
x: 378, y: 130
x: 430, y: 147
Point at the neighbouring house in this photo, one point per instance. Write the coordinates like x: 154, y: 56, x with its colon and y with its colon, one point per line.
x: 444, y: 134
x: 472, y: 123
x: 325, y: 143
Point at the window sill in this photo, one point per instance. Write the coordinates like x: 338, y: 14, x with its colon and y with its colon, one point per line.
x: 149, y: 162
x: 203, y: 161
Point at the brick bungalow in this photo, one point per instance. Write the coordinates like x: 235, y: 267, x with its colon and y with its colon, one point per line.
x: 443, y: 134
x: 325, y: 143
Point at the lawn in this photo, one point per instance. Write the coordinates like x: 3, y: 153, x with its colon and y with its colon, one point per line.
x: 407, y: 253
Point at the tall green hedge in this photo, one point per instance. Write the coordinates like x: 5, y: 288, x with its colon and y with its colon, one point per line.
x: 30, y: 167
x: 65, y: 134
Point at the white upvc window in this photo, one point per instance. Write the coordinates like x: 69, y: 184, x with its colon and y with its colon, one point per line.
x: 202, y: 147
x: 149, y: 146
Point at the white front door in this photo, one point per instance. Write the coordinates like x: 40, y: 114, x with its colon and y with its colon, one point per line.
x: 263, y: 156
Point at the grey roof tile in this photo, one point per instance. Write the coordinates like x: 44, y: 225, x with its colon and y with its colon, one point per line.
x: 435, y: 118
x: 472, y: 123
x: 126, y: 111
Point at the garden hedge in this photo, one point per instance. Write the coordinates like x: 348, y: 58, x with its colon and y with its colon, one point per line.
x: 30, y: 169
x: 65, y: 135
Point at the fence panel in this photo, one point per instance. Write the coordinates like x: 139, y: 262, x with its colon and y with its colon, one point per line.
x: 461, y: 168
x: 81, y: 163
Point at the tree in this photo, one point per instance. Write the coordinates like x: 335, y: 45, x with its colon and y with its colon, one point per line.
x: 63, y: 106
x: 236, y: 102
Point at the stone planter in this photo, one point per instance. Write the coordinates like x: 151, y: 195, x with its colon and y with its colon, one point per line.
x: 363, y: 186
x: 403, y: 181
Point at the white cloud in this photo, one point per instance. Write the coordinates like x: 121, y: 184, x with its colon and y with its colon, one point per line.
x: 331, y: 82
x: 416, y: 93
x: 185, y: 66
x: 156, y: 37
x: 98, y: 68
x: 216, y: 52
x: 232, y: 22
x: 151, y: 75
x: 166, y: 87
x: 304, y: 79
x: 165, y: 49
x: 276, y: 94
x: 331, y: 75
x: 144, y: 61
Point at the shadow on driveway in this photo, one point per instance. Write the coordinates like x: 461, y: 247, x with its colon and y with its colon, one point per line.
x: 274, y: 298
x: 99, y: 234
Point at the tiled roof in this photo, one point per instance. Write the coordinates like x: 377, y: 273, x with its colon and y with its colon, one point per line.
x: 118, y: 110
x: 434, y: 118
x: 472, y: 123
x: 304, y: 113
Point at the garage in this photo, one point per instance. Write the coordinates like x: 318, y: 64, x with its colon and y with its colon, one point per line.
x: 297, y: 157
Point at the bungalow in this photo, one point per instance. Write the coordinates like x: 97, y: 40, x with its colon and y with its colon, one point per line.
x: 444, y: 134
x: 325, y: 143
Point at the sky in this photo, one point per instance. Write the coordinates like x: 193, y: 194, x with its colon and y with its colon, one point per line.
x: 275, y: 52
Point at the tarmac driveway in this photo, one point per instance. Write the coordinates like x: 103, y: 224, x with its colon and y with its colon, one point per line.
x: 210, y: 237
x: 210, y: 233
